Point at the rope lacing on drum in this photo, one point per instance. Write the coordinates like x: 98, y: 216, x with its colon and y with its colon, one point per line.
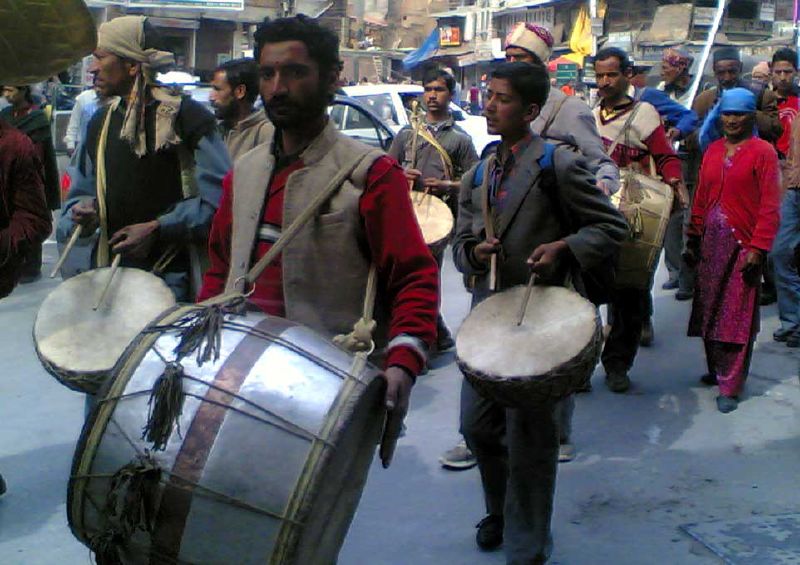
x: 130, y: 506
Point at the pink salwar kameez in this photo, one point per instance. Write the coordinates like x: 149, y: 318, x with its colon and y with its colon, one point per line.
x: 735, y: 212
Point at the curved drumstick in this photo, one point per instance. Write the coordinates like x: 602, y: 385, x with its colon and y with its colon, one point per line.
x: 73, y: 239
x: 114, y: 267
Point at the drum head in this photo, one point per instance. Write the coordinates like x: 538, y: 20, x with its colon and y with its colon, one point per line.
x: 73, y: 339
x: 434, y: 217
x: 558, y: 325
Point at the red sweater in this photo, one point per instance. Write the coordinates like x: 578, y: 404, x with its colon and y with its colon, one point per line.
x: 747, y: 189
x: 24, y: 217
x: 407, y: 273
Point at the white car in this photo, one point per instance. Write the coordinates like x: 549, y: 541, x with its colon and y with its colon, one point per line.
x: 392, y: 102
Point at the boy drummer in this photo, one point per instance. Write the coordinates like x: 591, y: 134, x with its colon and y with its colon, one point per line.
x: 531, y: 187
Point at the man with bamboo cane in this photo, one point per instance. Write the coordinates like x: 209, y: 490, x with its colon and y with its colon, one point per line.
x: 150, y: 173
x: 435, y: 154
x: 364, y: 232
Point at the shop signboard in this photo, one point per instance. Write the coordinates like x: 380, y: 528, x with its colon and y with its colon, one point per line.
x: 187, y: 4
x: 449, y: 36
x: 566, y: 72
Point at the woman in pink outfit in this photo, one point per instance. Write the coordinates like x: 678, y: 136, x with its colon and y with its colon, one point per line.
x: 734, y: 221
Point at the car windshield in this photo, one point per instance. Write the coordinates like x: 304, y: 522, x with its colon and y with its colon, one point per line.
x: 380, y: 104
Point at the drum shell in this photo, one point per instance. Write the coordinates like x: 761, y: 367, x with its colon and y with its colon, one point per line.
x: 293, y: 375
x: 646, y: 203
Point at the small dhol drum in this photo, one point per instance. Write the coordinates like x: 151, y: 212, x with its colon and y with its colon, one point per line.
x: 646, y: 203
x: 435, y: 219
x: 548, y: 357
x: 80, y: 346
x: 266, y: 462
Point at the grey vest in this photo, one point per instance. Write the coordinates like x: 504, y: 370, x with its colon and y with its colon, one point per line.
x: 325, y: 267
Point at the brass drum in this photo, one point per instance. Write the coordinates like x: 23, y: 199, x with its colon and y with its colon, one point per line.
x: 265, y: 465
x: 435, y: 220
x: 548, y: 357
x: 80, y: 346
x: 646, y: 203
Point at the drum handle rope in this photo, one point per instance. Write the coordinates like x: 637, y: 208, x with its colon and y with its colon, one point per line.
x: 103, y: 249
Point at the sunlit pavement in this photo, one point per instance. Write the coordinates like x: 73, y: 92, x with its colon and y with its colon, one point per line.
x: 648, y: 461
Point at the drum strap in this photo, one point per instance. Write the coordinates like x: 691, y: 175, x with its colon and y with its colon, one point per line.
x: 425, y: 134
x: 103, y: 248
x: 623, y: 133
x: 488, y: 216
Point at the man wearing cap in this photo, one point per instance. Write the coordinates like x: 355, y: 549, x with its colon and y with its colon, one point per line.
x: 676, y: 78
x: 150, y: 173
x: 728, y: 70
x: 563, y: 118
x: 676, y: 82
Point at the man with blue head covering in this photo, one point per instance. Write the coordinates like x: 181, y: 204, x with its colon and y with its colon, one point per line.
x: 733, y: 224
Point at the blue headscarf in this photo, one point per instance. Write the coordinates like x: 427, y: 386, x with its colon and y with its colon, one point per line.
x: 739, y: 100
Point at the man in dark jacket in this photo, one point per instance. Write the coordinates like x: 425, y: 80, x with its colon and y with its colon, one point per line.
x: 162, y: 163
x: 528, y: 208
x: 24, y: 218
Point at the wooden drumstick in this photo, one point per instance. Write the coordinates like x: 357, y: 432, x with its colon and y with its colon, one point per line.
x: 525, y: 299
x: 73, y: 239
x: 114, y: 267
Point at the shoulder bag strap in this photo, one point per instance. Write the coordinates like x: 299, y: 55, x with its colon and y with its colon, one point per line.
x: 624, y: 131
x: 552, y: 117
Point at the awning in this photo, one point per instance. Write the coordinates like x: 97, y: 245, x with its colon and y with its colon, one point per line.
x: 425, y: 51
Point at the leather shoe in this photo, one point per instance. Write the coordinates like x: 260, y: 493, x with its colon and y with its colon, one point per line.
x: 618, y: 381
x: 490, y: 532
x: 781, y: 334
x: 684, y: 295
x: 793, y: 339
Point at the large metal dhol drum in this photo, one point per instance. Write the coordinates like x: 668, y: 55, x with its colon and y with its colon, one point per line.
x: 265, y: 465
x: 646, y: 203
x: 435, y: 220
x: 80, y: 346
x: 548, y: 357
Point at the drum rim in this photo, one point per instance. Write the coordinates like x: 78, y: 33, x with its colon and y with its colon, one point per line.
x: 72, y: 378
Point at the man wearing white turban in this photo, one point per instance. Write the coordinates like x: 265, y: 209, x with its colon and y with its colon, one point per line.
x: 149, y: 175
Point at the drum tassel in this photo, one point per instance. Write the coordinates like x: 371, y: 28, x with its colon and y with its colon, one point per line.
x: 206, y: 326
x: 164, y: 407
x: 130, y: 506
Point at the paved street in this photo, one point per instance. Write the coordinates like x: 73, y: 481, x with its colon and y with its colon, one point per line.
x: 648, y: 461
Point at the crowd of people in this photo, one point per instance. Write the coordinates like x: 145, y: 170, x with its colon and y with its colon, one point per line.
x: 154, y: 175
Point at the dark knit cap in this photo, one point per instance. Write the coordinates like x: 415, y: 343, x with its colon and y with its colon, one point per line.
x: 727, y: 54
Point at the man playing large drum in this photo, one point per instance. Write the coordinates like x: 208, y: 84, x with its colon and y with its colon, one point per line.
x: 544, y: 206
x: 633, y: 134
x: 320, y: 278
